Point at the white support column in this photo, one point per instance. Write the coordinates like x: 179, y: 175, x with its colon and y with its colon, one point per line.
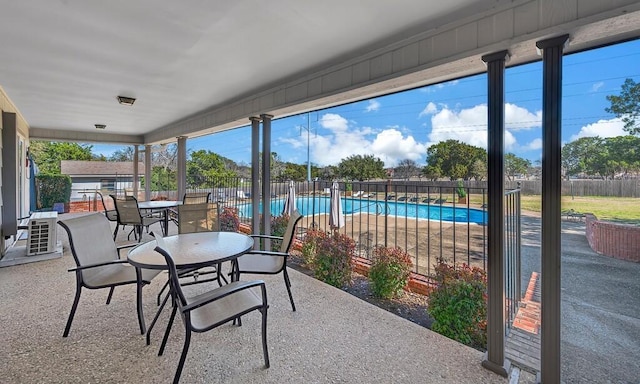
x: 147, y: 172
x: 136, y: 171
x: 255, y: 175
x: 182, y: 166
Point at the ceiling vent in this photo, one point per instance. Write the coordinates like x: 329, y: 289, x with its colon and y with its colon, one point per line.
x: 100, y: 126
x: 126, y: 100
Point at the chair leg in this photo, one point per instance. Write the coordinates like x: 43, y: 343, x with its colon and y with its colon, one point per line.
x: 73, y: 309
x: 165, y: 286
x: 110, y: 295
x: 265, y: 350
x: 139, y: 301
x: 287, y: 282
x: 115, y: 232
x: 168, y: 330
x: 155, y: 318
x: 183, y: 356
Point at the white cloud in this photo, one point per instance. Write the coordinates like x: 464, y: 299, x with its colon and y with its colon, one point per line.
x: 470, y: 125
x: 334, y: 122
x: 595, y: 87
x: 518, y: 118
x: 391, y: 145
x: 534, y: 145
x: 430, y: 109
x: 373, y: 106
x: 602, y: 128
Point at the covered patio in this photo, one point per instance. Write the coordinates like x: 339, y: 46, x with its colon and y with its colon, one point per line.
x: 201, y: 70
x: 333, y: 337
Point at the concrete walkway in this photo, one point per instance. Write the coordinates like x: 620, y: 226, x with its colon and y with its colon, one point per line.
x: 332, y: 338
x: 600, y: 307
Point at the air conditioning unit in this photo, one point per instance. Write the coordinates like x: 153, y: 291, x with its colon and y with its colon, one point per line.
x: 42, y: 233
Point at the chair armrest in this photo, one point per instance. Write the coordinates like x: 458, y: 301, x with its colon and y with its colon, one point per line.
x: 223, y: 291
x: 82, y: 267
x: 266, y: 253
x: 267, y: 237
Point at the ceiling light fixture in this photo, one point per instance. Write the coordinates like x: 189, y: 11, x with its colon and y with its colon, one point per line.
x: 124, y: 100
x: 100, y: 126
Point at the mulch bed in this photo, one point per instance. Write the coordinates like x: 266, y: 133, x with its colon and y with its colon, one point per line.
x: 410, y: 306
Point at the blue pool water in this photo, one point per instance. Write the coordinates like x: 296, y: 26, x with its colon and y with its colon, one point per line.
x: 318, y: 205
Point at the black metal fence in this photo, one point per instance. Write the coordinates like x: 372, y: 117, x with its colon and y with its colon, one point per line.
x: 512, y: 254
x: 430, y: 222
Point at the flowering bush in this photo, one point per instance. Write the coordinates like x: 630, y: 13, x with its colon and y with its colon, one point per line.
x: 310, y: 246
x: 229, y: 219
x: 389, y: 273
x: 333, y: 259
x: 459, y: 304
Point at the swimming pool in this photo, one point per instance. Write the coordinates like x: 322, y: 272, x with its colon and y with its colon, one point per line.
x: 319, y: 205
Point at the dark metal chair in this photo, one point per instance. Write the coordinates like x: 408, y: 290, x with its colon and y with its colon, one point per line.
x: 129, y: 214
x: 270, y: 262
x: 209, y: 310
x: 110, y: 213
x: 193, y: 218
x: 188, y: 199
x: 98, y: 263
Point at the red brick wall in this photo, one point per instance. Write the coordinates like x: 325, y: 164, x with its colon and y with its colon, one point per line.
x: 620, y: 241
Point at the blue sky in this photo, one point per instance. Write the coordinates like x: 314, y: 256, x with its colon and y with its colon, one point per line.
x: 403, y: 125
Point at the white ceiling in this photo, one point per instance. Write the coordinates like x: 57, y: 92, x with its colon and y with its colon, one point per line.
x: 63, y: 62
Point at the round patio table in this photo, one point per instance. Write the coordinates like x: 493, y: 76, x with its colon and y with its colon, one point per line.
x: 190, y: 251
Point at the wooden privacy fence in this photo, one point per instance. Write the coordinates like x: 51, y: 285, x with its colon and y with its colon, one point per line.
x: 613, y: 188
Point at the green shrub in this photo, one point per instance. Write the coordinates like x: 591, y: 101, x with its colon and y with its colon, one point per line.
x: 458, y: 304
x: 389, y: 273
x: 460, y: 190
x: 278, y: 227
x: 333, y: 259
x: 310, y: 246
x: 53, y: 189
x: 229, y: 219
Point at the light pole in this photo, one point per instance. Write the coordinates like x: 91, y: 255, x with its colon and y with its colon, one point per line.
x: 308, y: 129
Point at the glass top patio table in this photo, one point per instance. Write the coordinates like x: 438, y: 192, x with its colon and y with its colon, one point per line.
x: 192, y: 250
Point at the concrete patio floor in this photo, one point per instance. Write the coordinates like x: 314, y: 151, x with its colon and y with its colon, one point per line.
x: 332, y: 338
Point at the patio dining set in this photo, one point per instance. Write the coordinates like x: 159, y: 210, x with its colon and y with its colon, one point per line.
x: 199, y: 248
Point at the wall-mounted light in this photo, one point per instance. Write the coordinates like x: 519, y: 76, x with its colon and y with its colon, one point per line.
x: 101, y: 126
x: 124, y: 100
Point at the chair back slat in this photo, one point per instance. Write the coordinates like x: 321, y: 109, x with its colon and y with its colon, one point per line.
x: 287, y: 238
x: 196, y: 198
x: 90, y: 240
x: 128, y: 211
x: 198, y: 218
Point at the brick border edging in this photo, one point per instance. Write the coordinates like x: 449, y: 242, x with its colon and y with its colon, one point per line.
x: 620, y: 241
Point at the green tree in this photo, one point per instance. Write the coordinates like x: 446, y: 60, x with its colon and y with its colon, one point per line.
x: 626, y: 105
x: 453, y: 159
x: 582, y: 156
x: 514, y: 165
x: 204, y: 165
x: 296, y: 172
x: 479, y: 170
x: 48, y: 154
x: 358, y: 167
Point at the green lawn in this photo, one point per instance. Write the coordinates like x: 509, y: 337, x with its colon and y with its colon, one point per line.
x: 623, y: 209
